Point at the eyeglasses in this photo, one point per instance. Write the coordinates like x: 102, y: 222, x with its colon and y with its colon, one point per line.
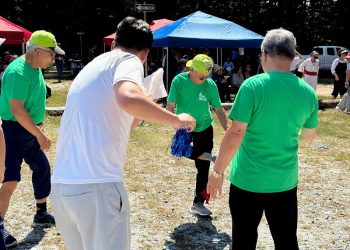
x: 49, y: 51
x: 315, y: 57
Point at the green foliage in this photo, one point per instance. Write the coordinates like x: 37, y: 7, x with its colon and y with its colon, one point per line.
x: 313, y: 22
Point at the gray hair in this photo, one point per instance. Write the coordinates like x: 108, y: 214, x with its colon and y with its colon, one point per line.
x: 31, y: 47
x: 279, y: 42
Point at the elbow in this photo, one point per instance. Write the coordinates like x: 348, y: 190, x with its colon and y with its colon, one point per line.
x: 126, y: 100
x: 16, y: 111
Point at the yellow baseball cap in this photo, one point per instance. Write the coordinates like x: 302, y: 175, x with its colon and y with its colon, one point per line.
x: 201, y: 63
x: 45, y: 39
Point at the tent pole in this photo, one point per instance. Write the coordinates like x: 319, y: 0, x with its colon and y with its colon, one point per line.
x: 217, y: 55
x: 221, y: 55
x: 167, y: 69
x: 23, y: 50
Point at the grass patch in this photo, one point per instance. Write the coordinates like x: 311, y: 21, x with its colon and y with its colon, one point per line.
x: 59, y: 92
x: 58, y: 98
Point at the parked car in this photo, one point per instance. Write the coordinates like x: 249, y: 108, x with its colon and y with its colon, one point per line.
x: 327, y: 55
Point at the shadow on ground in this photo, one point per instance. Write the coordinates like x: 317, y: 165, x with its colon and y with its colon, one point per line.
x: 200, y: 235
x: 32, y: 239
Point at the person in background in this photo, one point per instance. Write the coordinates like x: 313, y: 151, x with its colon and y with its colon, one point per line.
x: 59, y: 63
x: 22, y: 109
x: 298, y: 58
x: 309, y: 68
x: 194, y: 92
x: 338, y: 70
x: 344, y: 104
x: 89, y: 198
x: 237, y: 79
x: 228, y: 66
x: 220, y: 81
x: 182, y: 66
x: 262, y: 143
x: 247, y: 71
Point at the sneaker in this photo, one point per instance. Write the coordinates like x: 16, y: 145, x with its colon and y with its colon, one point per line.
x: 199, y: 209
x: 10, y: 241
x: 47, y: 220
x: 207, y: 157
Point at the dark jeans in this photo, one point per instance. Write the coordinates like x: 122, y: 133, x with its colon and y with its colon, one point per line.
x: 281, y: 212
x: 22, y: 145
x: 202, y: 142
x: 59, y: 68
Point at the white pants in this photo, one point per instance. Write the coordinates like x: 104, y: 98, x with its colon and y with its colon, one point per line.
x: 92, y: 216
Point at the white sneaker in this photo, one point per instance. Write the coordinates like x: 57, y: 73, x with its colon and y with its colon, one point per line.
x: 199, y: 209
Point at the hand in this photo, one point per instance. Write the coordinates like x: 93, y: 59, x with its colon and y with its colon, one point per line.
x: 214, y: 185
x: 186, y: 121
x: 336, y: 78
x: 44, y: 142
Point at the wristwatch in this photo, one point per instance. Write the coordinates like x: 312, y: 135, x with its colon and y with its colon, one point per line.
x: 217, y: 174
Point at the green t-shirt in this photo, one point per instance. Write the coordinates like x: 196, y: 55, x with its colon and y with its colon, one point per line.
x: 275, y: 105
x: 21, y: 82
x: 195, y: 99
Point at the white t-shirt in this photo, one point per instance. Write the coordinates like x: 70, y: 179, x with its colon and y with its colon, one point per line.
x: 94, y: 130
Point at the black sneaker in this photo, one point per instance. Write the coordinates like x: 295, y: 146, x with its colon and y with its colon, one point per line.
x: 47, y: 220
x: 10, y: 241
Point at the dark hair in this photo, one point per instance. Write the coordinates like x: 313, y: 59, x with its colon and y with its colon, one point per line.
x: 134, y: 33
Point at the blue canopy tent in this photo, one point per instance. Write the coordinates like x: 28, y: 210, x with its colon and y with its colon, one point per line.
x: 201, y: 30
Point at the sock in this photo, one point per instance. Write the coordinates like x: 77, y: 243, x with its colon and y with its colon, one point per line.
x: 41, y: 209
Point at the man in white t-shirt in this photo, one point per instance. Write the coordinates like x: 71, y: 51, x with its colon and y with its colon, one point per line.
x: 88, y: 195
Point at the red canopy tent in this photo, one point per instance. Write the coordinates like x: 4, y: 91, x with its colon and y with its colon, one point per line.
x: 155, y: 24
x: 13, y: 33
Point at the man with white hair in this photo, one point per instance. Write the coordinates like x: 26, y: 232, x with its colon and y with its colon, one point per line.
x: 271, y: 113
x: 22, y: 109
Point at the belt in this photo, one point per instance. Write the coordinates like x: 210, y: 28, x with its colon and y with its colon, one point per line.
x: 310, y: 73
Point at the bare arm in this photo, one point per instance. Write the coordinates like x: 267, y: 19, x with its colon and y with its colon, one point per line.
x: 171, y: 107
x: 23, y: 118
x: 306, y: 136
x: 132, y: 100
x: 135, y: 122
x: 2, y: 155
x: 334, y: 65
x: 220, y: 113
x: 228, y: 148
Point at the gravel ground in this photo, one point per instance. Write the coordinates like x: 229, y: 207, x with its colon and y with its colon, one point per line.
x: 161, y: 190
